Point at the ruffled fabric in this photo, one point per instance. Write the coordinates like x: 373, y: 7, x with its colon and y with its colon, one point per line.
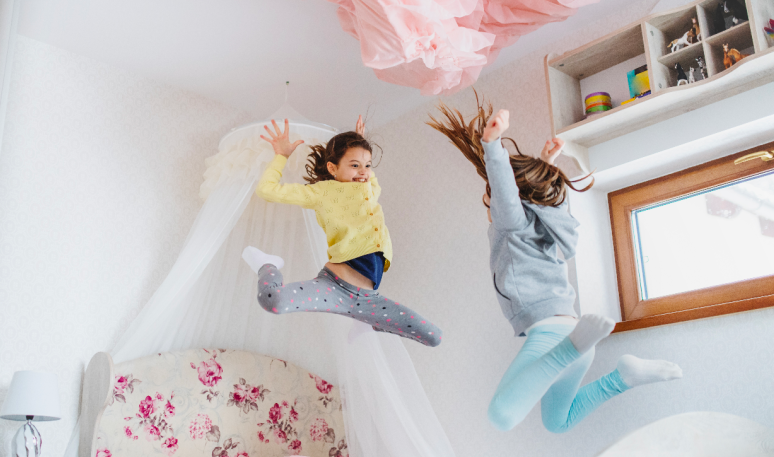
x: 441, y: 46
x: 248, y: 158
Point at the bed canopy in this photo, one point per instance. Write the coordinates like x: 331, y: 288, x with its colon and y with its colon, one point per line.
x: 208, y: 301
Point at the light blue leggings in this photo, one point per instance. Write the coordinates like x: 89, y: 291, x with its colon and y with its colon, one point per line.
x: 549, y: 369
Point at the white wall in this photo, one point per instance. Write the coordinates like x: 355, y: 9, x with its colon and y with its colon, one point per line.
x: 432, y: 199
x: 99, y: 177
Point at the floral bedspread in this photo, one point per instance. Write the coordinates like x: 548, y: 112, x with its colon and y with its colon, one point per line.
x: 220, y: 403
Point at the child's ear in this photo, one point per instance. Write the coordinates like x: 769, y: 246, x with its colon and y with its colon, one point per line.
x: 332, y: 168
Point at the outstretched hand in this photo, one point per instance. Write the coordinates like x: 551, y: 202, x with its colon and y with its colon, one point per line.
x: 360, y: 126
x: 551, y: 150
x: 280, y: 140
x: 496, y: 125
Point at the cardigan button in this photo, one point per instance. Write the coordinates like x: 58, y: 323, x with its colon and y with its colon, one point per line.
x: 378, y: 245
x: 372, y: 214
x: 376, y: 229
x: 366, y: 198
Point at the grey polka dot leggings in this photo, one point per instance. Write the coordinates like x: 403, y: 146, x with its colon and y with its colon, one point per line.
x: 327, y: 293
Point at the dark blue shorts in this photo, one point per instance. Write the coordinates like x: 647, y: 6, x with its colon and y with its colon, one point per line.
x: 370, y: 265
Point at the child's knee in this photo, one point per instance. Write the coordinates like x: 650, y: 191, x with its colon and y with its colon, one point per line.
x: 269, y: 299
x: 434, y: 338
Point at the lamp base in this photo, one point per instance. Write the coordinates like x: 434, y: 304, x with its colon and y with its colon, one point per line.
x: 26, y: 442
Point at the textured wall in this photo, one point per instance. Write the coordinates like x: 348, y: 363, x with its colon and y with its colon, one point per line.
x: 432, y: 201
x: 99, y: 177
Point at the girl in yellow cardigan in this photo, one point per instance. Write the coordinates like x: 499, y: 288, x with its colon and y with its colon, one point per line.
x: 344, y: 193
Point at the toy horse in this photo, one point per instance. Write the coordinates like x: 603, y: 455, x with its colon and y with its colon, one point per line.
x: 681, y: 78
x: 702, y: 67
x: 691, y: 77
x: 731, y: 56
x: 680, y: 42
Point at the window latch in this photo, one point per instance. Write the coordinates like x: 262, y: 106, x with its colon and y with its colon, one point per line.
x: 763, y: 155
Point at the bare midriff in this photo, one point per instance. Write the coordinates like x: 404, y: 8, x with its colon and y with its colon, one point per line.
x: 348, y: 274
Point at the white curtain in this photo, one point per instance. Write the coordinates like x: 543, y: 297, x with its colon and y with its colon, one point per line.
x: 209, y: 300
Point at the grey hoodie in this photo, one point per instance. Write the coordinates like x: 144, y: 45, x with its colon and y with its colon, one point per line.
x: 529, y: 278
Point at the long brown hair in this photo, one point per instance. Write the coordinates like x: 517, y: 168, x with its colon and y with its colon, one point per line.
x: 333, y: 151
x: 538, y: 182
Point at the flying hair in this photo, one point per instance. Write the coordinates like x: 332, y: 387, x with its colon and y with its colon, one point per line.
x: 538, y: 181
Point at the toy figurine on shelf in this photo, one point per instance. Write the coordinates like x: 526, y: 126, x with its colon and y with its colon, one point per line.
x: 681, y: 78
x: 729, y: 14
x: 679, y: 43
x: 691, y: 77
x: 731, y: 56
x: 702, y: 67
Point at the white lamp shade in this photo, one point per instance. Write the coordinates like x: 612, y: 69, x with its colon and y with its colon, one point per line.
x: 32, y: 393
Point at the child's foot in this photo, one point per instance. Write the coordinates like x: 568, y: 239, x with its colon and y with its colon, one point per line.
x: 257, y: 258
x: 591, y: 329
x: 636, y: 372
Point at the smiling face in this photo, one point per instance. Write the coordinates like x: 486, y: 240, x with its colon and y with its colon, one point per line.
x: 354, y: 166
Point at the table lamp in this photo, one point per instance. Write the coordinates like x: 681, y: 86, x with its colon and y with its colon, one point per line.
x: 33, y: 396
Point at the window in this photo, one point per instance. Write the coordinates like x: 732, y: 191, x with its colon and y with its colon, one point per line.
x: 696, y: 243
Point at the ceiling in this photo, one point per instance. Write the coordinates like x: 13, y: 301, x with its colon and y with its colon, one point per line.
x: 241, y: 52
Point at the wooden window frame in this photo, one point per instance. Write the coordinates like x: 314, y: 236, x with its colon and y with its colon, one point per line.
x: 712, y: 301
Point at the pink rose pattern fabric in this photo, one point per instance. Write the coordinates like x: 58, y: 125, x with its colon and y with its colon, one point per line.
x: 246, y: 397
x: 324, y: 388
x: 210, y: 372
x: 441, y: 46
x: 254, y: 419
x: 280, y: 426
x: 152, y: 418
x: 123, y: 383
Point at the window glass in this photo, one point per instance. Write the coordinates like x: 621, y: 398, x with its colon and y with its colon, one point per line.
x: 715, y: 237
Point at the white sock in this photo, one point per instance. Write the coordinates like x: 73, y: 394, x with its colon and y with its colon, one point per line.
x: 257, y: 258
x: 591, y: 329
x: 636, y: 372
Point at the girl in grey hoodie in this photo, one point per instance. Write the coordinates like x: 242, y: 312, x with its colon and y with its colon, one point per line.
x: 527, y: 209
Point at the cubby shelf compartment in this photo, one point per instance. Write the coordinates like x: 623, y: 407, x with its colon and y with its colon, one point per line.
x: 650, y: 37
x: 735, y: 33
x: 687, y: 53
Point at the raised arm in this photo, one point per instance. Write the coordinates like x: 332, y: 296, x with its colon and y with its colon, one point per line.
x: 505, y: 204
x: 270, y: 189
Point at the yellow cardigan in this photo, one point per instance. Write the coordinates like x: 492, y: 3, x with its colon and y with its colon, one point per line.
x: 349, y: 214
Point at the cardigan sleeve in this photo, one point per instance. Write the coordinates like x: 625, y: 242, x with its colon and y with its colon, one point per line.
x: 270, y: 189
x: 505, y: 203
x: 375, y: 185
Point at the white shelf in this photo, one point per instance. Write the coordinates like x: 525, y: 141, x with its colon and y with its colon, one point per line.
x: 652, y: 35
x: 750, y: 73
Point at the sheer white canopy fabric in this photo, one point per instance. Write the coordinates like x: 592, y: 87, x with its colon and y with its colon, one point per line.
x: 208, y: 300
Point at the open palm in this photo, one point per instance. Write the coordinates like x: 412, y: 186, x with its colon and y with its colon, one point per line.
x: 280, y: 140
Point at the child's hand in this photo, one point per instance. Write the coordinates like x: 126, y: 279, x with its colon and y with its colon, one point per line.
x: 360, y: 126
x: 280, y: 141
x: 496, y: 125
x: 551, y: 150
